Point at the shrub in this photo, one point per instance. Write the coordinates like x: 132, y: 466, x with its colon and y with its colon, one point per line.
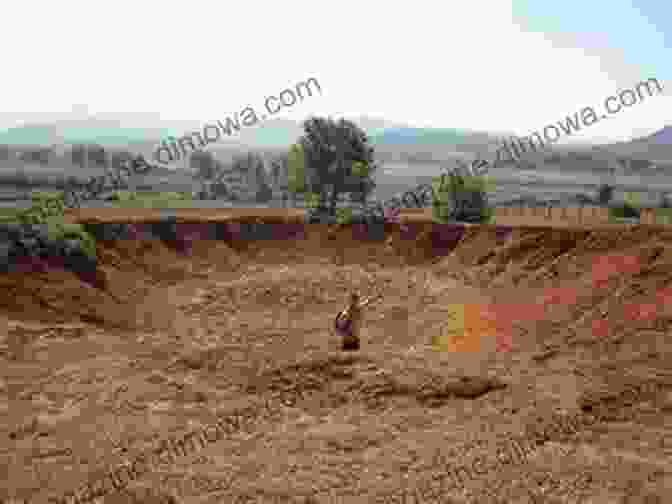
x: 624, y: 211
x: 49, y: 209
x: 457, y: 197
x: 59, y: 230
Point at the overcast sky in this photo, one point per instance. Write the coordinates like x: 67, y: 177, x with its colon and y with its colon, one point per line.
x: 485, y: 65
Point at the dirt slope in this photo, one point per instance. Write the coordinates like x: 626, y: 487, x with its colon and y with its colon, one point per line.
x: 565, y: 392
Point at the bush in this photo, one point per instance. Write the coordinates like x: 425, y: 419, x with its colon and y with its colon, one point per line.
x: 60, y: 231
x: 458, y: 197
x: 49, y: 209
x: 624, y: 211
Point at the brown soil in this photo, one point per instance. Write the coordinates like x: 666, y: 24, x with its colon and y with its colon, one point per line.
x: 89, y: 379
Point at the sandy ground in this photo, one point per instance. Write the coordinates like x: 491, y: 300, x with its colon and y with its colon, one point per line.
x: 565, y: 396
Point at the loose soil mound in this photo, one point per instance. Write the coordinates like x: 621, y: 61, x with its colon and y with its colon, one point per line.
x: 569, y: 381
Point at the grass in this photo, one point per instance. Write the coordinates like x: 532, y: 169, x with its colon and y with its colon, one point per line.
x: 663, y: 216
x: 152, y: 199
x: 154, y: 203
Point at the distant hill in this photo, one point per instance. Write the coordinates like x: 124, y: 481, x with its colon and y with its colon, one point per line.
x: 655, y: 147
x: 392, y: 142
x: 108, y: 133
x: 271, y: 133
x: 112, y: 132
x: 650, y: 155
x: 418, y: 136
x: 421, y: 145
x: 662, y: 137
x: 281, y: 133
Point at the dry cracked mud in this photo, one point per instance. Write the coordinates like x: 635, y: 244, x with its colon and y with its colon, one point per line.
x: 574, y: 406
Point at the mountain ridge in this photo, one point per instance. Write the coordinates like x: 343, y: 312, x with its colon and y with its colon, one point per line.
x: 393, y: 141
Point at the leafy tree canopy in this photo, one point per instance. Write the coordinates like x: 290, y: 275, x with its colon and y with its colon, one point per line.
x: 332, y: 150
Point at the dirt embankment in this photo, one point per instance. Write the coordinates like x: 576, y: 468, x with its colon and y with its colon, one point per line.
x: 580, y: 319
x: 131, y: 269
x: 533, y: 260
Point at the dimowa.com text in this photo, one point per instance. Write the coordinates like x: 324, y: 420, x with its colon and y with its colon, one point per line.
x: 516, y: 147
x: 176, y: 149
x: 551, y: 133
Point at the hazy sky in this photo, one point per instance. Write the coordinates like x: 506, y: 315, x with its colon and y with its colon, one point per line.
x: 485, y: 65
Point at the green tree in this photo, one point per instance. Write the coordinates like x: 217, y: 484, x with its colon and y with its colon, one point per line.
x: 296, y: 169
x: 362, y: 182
x: 331, y: 148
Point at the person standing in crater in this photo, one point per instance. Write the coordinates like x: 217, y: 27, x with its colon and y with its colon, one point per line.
x: 348, y: 322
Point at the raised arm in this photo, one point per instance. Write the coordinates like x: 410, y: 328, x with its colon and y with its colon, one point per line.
x: 362, y: 304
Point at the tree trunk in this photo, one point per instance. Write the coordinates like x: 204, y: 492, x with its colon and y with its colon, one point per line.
x: 333, y: 201
x: 322, y: 204
x: 335, y: 183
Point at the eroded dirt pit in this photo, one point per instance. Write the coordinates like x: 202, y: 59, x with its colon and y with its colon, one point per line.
x: 565, y: 395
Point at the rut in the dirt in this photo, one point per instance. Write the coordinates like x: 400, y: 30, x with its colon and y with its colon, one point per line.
x: 343, y: 378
